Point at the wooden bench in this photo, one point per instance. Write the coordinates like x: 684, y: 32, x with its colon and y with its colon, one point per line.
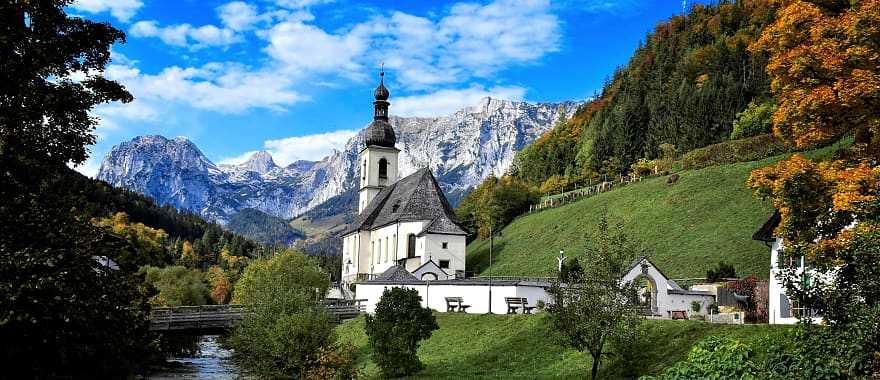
x: 679, y: 314
x: 514, y: 303
x: 456, y: 302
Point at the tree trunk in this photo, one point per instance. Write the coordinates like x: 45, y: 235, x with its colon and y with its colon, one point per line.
x: 594, y: 371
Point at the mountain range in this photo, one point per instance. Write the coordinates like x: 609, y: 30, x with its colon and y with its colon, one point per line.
x: 462, y: 149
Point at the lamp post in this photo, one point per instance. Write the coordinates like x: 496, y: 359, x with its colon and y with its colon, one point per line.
x: 491, y: 245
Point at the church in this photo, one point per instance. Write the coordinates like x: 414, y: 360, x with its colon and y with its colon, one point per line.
x: 402, y: 223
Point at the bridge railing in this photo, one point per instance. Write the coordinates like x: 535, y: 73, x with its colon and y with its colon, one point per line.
x: 196, y: 317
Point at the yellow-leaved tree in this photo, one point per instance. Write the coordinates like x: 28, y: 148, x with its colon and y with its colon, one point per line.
x: 825, y: 71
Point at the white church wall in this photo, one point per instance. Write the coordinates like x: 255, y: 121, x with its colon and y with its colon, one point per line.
x: 454, y: 251
x: 477, y: 296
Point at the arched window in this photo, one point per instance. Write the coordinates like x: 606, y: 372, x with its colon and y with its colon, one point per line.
x: 383, y: 168
x: 411, y: 246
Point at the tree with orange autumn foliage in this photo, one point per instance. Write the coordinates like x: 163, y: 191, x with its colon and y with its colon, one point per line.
x: 825, y: 74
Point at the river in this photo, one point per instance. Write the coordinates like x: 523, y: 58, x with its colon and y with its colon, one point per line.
x: 212, y: 362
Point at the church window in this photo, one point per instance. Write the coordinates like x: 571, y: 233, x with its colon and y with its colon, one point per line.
x: 444, y: 264
x: 386, y: 250
x: 411, y: 246
x: 445, y: 245
x: 383, y: 168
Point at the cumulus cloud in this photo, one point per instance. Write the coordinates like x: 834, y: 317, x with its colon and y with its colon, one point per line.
x: 470, y: 41
x: 186, y: 34
x: 123, y: 10
x: 238, y: 15
x: 221, y: 87
x: 291, y: 149
x: 444, y: 102
x: 309, y: 147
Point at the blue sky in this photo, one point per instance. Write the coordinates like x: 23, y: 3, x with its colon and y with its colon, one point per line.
x: 295, y: 77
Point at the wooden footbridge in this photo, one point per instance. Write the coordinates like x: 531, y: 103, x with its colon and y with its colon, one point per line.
x: 212, y: 319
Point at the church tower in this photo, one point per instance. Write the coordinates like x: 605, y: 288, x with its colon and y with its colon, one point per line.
x: 377, y: 162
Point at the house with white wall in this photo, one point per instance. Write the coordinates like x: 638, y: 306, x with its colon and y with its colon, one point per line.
x: 662, y: 295
x: 404, y: 222
x: 782, y: 309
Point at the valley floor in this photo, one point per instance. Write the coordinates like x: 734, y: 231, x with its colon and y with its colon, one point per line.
x: 517, y: 346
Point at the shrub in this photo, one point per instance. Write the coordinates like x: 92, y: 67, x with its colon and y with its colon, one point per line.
x: 394, y: 332
x: 177, y: 286
x: 728, y: 152
x: 755, y: 120
x: 713, y: 358
x: 554, y: 185
x: 696, y: 306
x: 338, y: 362
x: 288, y: 327
x: 722, y: 271
x: 643, y: 167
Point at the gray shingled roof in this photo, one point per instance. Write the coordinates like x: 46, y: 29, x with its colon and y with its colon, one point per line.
x: 416, y: 197
x: 396, y: 273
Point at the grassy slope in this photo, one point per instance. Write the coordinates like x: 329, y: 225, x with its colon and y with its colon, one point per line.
x: 504, y: 347
x: 707, y: 216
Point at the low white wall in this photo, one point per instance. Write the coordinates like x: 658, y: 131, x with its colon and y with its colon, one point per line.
x: 477, y: 296
x: 682, y: 302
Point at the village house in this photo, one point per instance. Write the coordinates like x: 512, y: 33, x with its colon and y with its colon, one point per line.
x: 782, y: 309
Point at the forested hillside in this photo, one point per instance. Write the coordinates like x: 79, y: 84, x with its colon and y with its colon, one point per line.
x: 692, y: 82
x: 683, y: 86
x: 97, y: 199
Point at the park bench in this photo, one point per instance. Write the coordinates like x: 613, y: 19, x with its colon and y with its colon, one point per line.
x: 514, y: 303
x: 456, y: 302
x: 679, y: 314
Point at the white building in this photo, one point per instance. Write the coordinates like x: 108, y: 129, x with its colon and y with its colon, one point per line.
x: 401, y: 221
x: 662, y: 295
x: 781, y: 309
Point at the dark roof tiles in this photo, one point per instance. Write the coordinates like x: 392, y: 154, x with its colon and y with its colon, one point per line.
x: 417, y: 197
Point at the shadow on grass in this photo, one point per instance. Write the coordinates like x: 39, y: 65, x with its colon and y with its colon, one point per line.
x: 478, y: 261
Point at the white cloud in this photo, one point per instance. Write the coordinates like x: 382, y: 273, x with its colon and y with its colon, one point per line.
x: 221, y: 87
x: 89, y: 168
x: 121, y: 9
x: 444, y: 102
x: 470, y: 41
x: 238, y: 15
x: 186, y: 34
x: 238, y: 159
x: 298, y: 46
x: 291, y: 149
x: 310, y: 147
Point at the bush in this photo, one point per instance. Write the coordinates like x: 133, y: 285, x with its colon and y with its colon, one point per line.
x: 728, y: 152
x: 394, y: 332
x: 755, y: 120
x: 713, y: 358
x: 696, y: 306
x: 288, y: 327
x: 643, y: 167
x: 176, y: 286
x: 719, y: 273
x: 554, y: 185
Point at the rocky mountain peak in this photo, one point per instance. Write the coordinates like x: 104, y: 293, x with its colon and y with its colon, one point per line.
x: 260, y: 162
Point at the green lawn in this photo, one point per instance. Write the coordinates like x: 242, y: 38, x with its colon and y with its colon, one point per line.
x: 516, y: 346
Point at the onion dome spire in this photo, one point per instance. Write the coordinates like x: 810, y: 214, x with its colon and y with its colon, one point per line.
x: 380, y: 132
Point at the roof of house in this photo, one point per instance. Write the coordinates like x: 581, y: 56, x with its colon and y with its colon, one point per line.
x: 416, y: 197
x: 765, y: 233
x: 397, y: 274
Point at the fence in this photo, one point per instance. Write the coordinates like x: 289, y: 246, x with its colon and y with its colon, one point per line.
x: 565, y: 197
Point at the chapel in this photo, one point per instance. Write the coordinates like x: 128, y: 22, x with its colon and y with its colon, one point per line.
x: 403, y: 224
